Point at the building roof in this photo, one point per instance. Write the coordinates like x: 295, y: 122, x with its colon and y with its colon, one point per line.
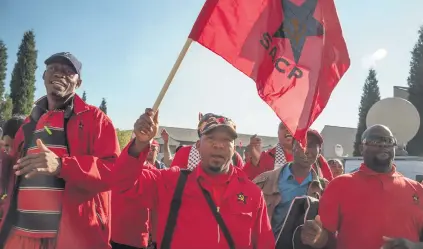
x: 187, y: 135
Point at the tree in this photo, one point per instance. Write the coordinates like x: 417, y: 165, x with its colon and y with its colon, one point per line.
x: 103, y: 106
x: 5, y: 103
x: 123, y: 137
x: 6, y: 108
x: 415, y: 90
x: 371, y: 95
x: 22, y: 84
x: 84, y: 96
x: 3, y: 67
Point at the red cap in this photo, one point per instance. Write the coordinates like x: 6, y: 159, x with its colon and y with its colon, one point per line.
x: 316, y: 134
x: 155, y: 143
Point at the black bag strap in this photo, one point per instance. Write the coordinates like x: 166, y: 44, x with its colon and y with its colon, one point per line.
x: 174, y: 209
x: 218, y: 218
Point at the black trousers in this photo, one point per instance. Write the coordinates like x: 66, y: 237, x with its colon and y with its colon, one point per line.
x: 120, y: 246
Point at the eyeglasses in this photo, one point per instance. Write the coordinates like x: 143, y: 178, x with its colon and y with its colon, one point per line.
x: 380, y: 141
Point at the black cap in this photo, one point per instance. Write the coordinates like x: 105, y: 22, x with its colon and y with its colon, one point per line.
x: 65, y: 57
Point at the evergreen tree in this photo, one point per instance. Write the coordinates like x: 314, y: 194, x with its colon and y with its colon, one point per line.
x: 415, y: 83
x: 5, y: 103
x: 84, y: 96
x: 371, y: 95
x: 22, y: 84
x: 103, y: 106
x: 3, y: 67
x: 6, y: 108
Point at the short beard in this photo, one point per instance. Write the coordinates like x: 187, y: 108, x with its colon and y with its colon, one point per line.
x: 378, y: 165
x: 220, y: 169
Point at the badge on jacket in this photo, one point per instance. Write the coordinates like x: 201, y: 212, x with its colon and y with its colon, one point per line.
x: 242, y: 198
x: 416, y: 199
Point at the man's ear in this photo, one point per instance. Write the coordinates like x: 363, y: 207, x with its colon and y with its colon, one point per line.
x: 198, y: 143
x: 360, y: 147
x: 44, y: 74
x: 79, y: 83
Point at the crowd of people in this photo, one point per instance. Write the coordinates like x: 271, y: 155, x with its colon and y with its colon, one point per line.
x: 65, y: 184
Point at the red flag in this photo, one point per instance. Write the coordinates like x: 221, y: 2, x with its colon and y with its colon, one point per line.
x: 293, y: 49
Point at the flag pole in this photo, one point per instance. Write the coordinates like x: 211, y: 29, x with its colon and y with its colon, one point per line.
x: 172, y: 74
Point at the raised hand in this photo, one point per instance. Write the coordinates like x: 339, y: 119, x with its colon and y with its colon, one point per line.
x: 255, y: 145
x: 165, y: 135
x: 145, y: 129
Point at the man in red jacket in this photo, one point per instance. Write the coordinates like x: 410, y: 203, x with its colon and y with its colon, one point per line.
x: 213, y: 207
x: 65, y: 152
x: 278, y: 156
x: 188, y: 157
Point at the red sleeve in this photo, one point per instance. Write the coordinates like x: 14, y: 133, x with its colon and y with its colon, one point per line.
x: 324, y: 166
x: 93, y: 173
x: 330, y: 205
x: 262, y: 236
x: 239, y: 160
x: 180, y: 158
x: 253, y: 171
x: 133, y: 177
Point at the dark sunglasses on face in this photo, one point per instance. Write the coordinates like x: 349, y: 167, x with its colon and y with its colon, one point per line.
x: 380, y: 141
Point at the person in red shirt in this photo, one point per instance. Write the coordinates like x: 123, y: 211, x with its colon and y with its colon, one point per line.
x: 131, y: 221
x: 278, y: 156
x: 64, y: 156
x: 188, y: 157
x: 375, y: 207
x: 214, y: 206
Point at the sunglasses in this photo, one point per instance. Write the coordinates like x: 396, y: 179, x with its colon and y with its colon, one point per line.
x: 380, y: 141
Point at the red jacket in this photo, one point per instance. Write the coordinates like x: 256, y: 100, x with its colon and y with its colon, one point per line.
x: 180, y: 158
x: 267, y: 163
x: 131, y: 221
x: 196, y: 227
x: 94, y: 148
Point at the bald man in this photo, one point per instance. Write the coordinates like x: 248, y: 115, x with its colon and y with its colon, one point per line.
x: 375, y: 207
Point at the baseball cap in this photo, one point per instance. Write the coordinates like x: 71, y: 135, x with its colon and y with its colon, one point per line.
x: 65, y: 57
x: 154, y: 143
x: 211, y: 121
x: 316, y: 134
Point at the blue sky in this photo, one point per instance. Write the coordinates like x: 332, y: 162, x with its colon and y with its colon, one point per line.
x: 128, y: 48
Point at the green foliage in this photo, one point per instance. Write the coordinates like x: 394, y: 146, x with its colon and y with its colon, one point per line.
x: 22, y: 85
x: 84, y: 96
x: 371, y: 95
x: 124, y: 137
x: 3, y: 67
x: 103, y: 106
x: 415, y: 83
x: 6, y: 108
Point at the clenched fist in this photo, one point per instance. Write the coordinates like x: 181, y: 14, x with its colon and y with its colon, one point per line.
x: 255, y: 145
x: 313, y: 234
x: 145, y: 129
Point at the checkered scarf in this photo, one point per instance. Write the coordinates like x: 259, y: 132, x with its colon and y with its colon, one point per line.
x: 280, y: 159
x: 193, y: 158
